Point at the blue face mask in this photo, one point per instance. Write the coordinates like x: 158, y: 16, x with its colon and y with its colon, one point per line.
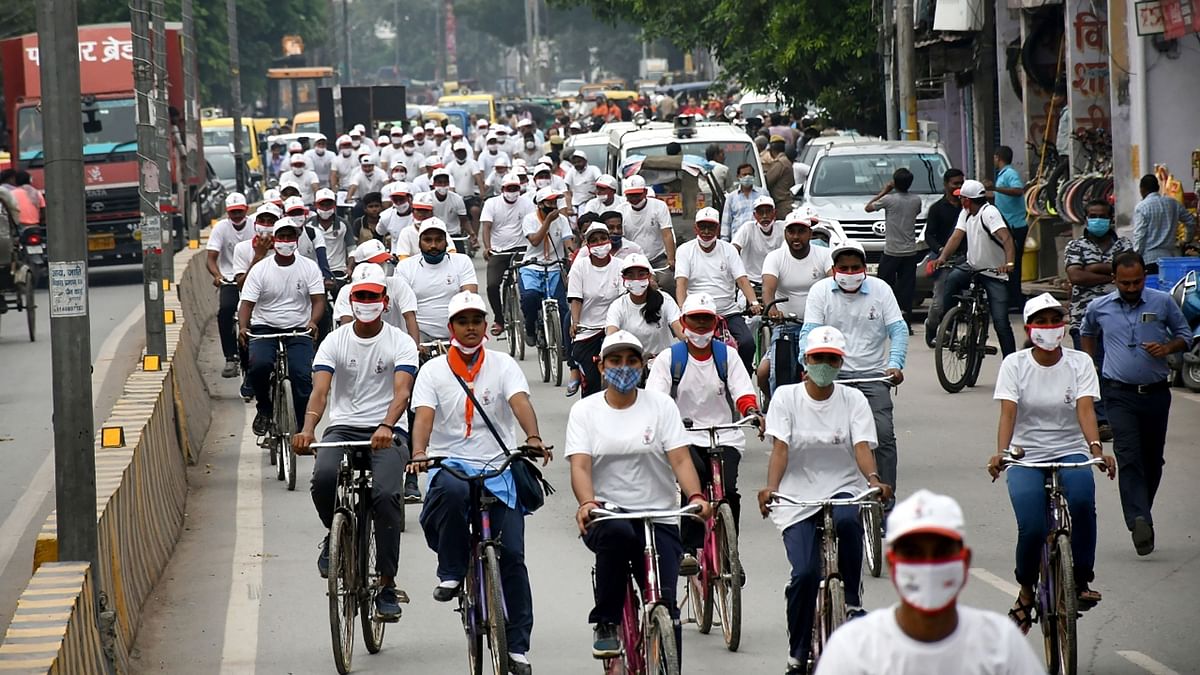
x: 1098, y: 227
x: 821, y: 374
x: 616, y: 240
x: 434, y: 258
x: 819, y: 242
x: 623, y: 378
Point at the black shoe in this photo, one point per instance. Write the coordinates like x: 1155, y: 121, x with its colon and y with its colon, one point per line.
x: 605, y: 643
x: 1143, y: 536
x: 387, y: 607
x: 445, y: 593
x: 855, y: 613
x: 262, y: 424
x: 230, y: 369
x: 246, y: 391
x: 519, y: 667
x: 794, y: 668
x: 412, y: 491
x: 688, y: 565
x: 323, y: 559
x: 1106, y: 434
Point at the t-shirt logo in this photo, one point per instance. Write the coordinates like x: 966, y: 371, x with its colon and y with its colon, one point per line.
x: 1069, y: 398
x: 647, y: 436
x: 815, y: 273
x: 871, y: 315
x: 353, y: 363
x: 449, y: 280
x: 487, y: 397
x: 300, y: 286
x: 379, y: 366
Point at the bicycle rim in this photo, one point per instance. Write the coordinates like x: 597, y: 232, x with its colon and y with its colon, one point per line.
x: 514, y: 301
x: 468, y: 601
x: 342, y: 599
x: 510, y: 326
x: 728, y: 578
x: 662, y: 654
x: 700, y: 595
x: 372, y: 629
x: 278, y: 399
x: 872, y: 521
x: 1047, y: 618
x: 952, y: 350
x: 31, y: 304
x: 286, y: 428
x: 557, y: 347
x: 980, y: 342
x: 1066, y: 606
x: 496, y: 629
x: 543, y: 349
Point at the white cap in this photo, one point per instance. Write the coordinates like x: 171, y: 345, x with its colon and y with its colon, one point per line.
x: 510, y: 179
x: 502, y: 160
x: 635, y: 183
x: 439, y: 130
x: 542, y: 167
x: 356, y: 132
x: 607, y: 181
x: 272, y: 195
x: 293, y: 203
x: 708, y: 215
x: 401, y: 188
x: 367, y: 159
x: 386, y: 191
x: 971, y: 189
x: 621, y: 339
x: 439, y: 173
x: 268, y: 209
x: 845, y: 246
x: 344, y: 139
x: 418, y: 129
x: 359, y: 127
x: 235, y: 200
x: 799, y: 216
x: 397, y: 131
x: 369, y: 277
x: 925, y: 511
x: 397, y: 170
x: 407, y: 138
x: 826, y: 340
x: 698, y: 303
x: 434, y: 223
x: 503, y: 129
x: 370, y: 251
x: 491, y: 136
x: 295, y: 147
x: 524, y: 122
x: 595, y: 227
x: 466, y: 301
x: 636, y: 260
x: 282, y: 223
x: 481, y: 124
x: 423, y: 200
x: 1040, y: 302
x: 462, y: 145
x: 520, y: 161
x: 453, y: 130
x: 545, y: 159
x: 432, y: 161
x: 324, y: 194
x: 383, y: 140
x: 297, y: 158
x: 430, y: 124
x: 576, y: 125
x: 545, y: 193
x: 763, y: 201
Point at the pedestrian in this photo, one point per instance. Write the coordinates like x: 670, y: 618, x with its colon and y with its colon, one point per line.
x: 1154, y: 224
x: 778, y: 172
x: 928, y: 631
x: 939, y: 225
x: 898, y: 266
x: 1009, y: 195
x: 1137, y: 327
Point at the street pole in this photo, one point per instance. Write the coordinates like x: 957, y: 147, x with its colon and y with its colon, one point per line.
x: 906, y: 69
x: 887, y: 39
x: 235, y: 94
x: 148, y: 190
x: 191, y: 130
x: 537, y: 47
x: 983, y: 93
x: 528, y: 4
x: 70, y: 332
x: 162, y: 126
x: 346, y: 41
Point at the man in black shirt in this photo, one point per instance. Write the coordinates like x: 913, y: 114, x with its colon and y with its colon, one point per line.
x: 939, y: 225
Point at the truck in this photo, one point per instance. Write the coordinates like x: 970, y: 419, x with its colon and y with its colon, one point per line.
x: 109, y: 117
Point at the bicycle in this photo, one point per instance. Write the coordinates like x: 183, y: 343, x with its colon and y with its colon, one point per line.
x: 646, y: 633
x: 871, y: 516
x: 785, y: 365
x: 278, y: 440
x: 510, y: 294
x: 961, y: 341
x: 721, y: 574
x: 1057, y: 600
x: 830, y: 610
x: 353, y: 582
x: 550, y: 346
x: 481, y: 598
x: 431, y: 349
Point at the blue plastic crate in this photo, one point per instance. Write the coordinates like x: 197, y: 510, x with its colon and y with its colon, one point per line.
x: 1171, y: 270
x: 1152, y: 282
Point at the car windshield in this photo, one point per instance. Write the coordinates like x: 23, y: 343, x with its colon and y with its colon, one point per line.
x: 865, y: 175
x: 597, y: 155
x: 308, y: 128
x: 222, y: 164
x: 110, y: 126
x: 223, y: 136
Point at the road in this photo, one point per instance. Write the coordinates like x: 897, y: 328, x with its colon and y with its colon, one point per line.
x: 242, y: 594
x: 26, y: 405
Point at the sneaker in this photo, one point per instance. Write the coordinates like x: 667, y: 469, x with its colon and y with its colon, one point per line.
x: 230, y: 369
x: 573, y: 387
x: 531, y: 338
x: 688, y: 565
x: 446, y: 591
x: 387, y: 607
x: 412, y: 490
x: 1143, y: 536
x: 323, y: 559
x: 605, y: 644
x: 794, y: 667
x: 262, y: 424
x: 246, y: 391
x: 853, y: 612
x: 518, y: 664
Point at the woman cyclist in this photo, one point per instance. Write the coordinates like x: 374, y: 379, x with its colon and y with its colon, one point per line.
x: 651, y: 315
x: 1047, y: 395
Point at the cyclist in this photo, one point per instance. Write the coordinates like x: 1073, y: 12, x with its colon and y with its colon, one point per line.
x: 320, y: 160
x: 591, y: 289
x: 467, y: 180
x: 435, y: 276
x: 396, y: 219
x: 303, y: 178
x: 447, y: 424
x: 282, y: 294
x: 408, y: 156
x: 928, y: 631
x: 606, y: 198
x: 344, y: 166
x: 502, y: 225
x: 648, y: 223
x: 822, y: 435
x: 550, y: 239
x: 501, y: 169
x: 710, y: 388
x: 401, y: 310
x: 368, y: 368
x: 628, y: 448
x: 865, y: 310
x: 741, y: 204
x: 646, y: 312
x: 423, y: 182
x: 581, y: 178
x: 489, y: 154
x: 754, y: 243
x: 367, y: 179
x: 226, y: 235
x: 365, y: 225
x: 1047, y: 395
x: 336, y: 233
x: 449, y: 205
x: 615, y: 221
x: 248, y: 253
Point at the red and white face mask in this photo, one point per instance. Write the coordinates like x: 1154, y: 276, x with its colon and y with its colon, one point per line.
x: 929, y: 586
x: 367, y: 312
x: 1047, y: 338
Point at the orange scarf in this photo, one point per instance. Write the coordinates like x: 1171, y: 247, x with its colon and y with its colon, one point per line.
x: 459, y: 367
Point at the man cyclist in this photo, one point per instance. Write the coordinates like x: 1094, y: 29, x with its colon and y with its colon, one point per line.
x: 320, y: 160
x: 502, y: 227
x: 648, y: 223
x: 754, y: 243
x: 302, y: 177
x: 344, y: 165
x: 226, y: 235
x: 368, y: 368
x: 339, y: 239
x: 467, y: 180
x: 549, y: 239
x: 401, y: 310
x: 606, y: 198
x: 581, y: 180
x: 449, y: 205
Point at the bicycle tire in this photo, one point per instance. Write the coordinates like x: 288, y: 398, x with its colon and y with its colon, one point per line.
x: 518, y: 320
x: 342, y: 589
x: 556, y: 346
x: 510, y: 327
x: 872, y: 522
x: 279, y: 419
x: 468, y: 600
x: 1066, y: 606
x: 31, y: 304
x: 542, y: 348
x: 700, y: 593
x: 496, y: 628
x: 288, y: 456
x: 728, y: 580
x: 372, y: 629
x: 952, y: 348
x: 785, y: 363
x: 980, y: 341
x: 662, y: 654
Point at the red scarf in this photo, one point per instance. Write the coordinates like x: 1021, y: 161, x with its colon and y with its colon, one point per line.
x: 459, y: 367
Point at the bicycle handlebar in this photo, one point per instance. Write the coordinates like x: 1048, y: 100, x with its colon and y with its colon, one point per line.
x: 1013, y: 458
x: 778, y: 500
x: 276, y: 336
x: 747, y: 421
x: 396, y: 438
x: 886, y: 379
x: 614, y: 512
x: 526, y: 451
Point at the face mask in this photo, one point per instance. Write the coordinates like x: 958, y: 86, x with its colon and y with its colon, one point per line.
x: 706, y: 240
x: 298, y: 170
x: 541, y: 182
x: 434, y: 258
x: 766, y: 229
x: 366, y: 312
x: 529, y: 145
x: 511, y: 197
x: 1047, y: 338
x: 616, y: 240
x: 821, y: 374
x: 355, y: 144
x: 460, y: 159
x: 285, y: 248
x: 624, y: 379
x: 237, y: 220
x: 492, y: 148
x: 820, y: 242
x: 408, y: 149
x: 929, y: 587
x: 346, y: 152
x: 637, y: 201
x: 607, y: 199
x: 320, y: 151
x: 698, y: 340
x: 326, y: 214
x: 1098, y: 227
x: 465, y: 349
x: 441, y: 190
x: 637, y: 286
x: 746, y: 181
x: 849, y: 282
x: 600, y: 251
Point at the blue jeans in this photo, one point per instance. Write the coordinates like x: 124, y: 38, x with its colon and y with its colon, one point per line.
x: 531, y: 304
x: 1027, y: 491
x: 997, y: 299
x: 792, y: 330
x: 262, y: 362
x: 444, y: 520
x: 802, y: 542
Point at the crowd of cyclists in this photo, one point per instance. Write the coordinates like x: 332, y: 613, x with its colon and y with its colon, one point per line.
x: 368, y: 248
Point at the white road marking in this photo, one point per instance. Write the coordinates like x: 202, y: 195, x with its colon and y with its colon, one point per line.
x: 1145, y: 663
x: 240, y: 647
x: 1005, y: 586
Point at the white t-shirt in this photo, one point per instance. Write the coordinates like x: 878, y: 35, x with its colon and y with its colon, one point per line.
x: 820, y: 436
x: 714, y: 272
x: 462, y: 176
x: 1047, y: 427
x: 434, y: 285
x: 282, y: 296
x: 701, y: 394
x: 364, y: 372
x: 411, y: 162
x: 304, y: 182
x: 337, y: 248
x: 307, y: 246
x: 345, y: 167
x: 498, y: 380
x: 597, y: 287
x: 983, y: 643
x: 982, y: 252
x: 646, y: 226
x: 558, y: 232
x: 450, y: 210
x: 487, y: 161
x: 863, y: 317
x: 401, y: 301
x: 596, y: 205
x: 582, y: 183
x: 224, y: 238
x: 796, y: 277
x: 628, y: 248
x: 507, y: 221
x: 754, y: 246
x: 629, y: 469
x: 623, y: 313
x: 393, y: 224
x: 367, y: 183
x: 422, y: 183
x: 321, y: 164
x: 243, y: 256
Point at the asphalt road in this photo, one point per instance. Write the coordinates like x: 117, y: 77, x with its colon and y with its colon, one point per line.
x: 242, y: 594
x: 26, y: 406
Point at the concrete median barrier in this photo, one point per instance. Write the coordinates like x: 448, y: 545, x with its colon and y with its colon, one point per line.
x: 55, y: 628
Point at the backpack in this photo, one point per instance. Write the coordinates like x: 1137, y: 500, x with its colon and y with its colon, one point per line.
x: 679, y: 360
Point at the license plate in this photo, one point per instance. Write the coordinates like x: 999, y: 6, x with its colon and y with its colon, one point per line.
x: 101, y: 242
x: 33, y: 250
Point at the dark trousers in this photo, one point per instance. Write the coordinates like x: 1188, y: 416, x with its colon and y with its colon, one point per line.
x: 619, y: 546
x: 444, y: 519
x: 996, y: 291
x: 387, y: 491
x: 1016, y: 299
x: 1027, y: 492
x: 496, y: 266
x: 583, y: 354
x: 262, y: 361
x: 227, y: 299
x: 693, y: 530
x: 1139, y: 426
x: 900, y: 272
x: 802, y: 542
x: 879, y: 397
x: 745, y: 339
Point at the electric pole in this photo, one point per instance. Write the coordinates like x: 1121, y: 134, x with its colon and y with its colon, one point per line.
x: 191, y: 129
x: 148, y: 188
x: 235, y: 94
x: 906, y: 69
x: 162, y: 126
x: 983, y: 93
x: 887, y: 39
x: 70, y: 332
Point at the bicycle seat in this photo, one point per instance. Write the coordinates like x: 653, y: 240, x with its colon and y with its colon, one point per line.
x: 718, y: 451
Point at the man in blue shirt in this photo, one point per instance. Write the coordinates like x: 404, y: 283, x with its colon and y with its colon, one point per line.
x: 1154, y: 222
x: 1009, y: 193
x: 739, y: 204
x: 1137, y: 327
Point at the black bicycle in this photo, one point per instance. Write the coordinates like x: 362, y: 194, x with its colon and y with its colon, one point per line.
x: 786, y: 364
x: 551, y: 348
x: 962, y: 338
x: 278, y: 440
x: 510, y: 294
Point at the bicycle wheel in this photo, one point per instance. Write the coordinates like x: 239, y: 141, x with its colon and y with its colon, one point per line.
x: 700, y: 591
x: 1066, y: 606
x: 727, y: 579
x: 343, y: 598
x: 372, y: 628
x: 279, y: 418
x: 494, y: 594
x: 287, y: 426
x: 542, y: 348
x: 832, y: 614
x: 980, y: 341
x: 468, y: 602
x: 556, y: 347
x: 31, y: 305
x: 954, y: 350
x: 662, y: 654
x: 872, y: 522
x: 785, y: 362
x: 511, y: 329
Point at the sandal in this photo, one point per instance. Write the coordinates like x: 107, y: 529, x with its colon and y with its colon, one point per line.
x: 1022, y: 614
x: 497, y: 329
x: 1088, y: 598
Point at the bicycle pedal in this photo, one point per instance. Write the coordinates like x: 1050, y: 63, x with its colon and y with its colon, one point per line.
x: 990, y: 350
x: 386, y: 619
x: 402, y: 597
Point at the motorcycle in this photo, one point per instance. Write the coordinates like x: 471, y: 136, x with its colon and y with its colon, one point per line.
x: 33, y: 251
x: 1186, y: 294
